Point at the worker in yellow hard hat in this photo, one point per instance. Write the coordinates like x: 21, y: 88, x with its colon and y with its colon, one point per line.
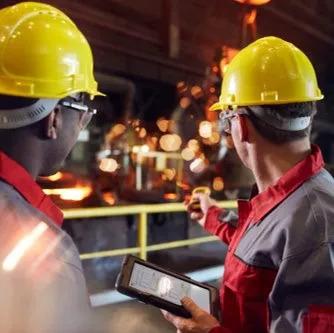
x: 46, y: 78
x: 279, y: 268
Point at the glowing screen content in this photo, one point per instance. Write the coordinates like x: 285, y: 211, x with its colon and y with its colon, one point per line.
x: 167, y: 287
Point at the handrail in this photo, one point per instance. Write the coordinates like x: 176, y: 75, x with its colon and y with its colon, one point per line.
x: 142, y: 211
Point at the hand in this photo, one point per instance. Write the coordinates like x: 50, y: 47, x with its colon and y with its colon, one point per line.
x: 201, y: 321
x: 205, y: 203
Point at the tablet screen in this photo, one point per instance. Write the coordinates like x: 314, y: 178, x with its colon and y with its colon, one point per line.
x: 167, y: 287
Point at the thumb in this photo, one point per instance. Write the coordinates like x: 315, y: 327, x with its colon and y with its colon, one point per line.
x: 198, y: 196
x: 190, y: 305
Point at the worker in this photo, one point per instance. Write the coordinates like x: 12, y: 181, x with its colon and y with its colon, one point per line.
x: 46, y: 77
x: 278, y: 275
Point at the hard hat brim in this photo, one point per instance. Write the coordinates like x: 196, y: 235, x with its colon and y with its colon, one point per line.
x: 99, y: 93
x: 215, y: 107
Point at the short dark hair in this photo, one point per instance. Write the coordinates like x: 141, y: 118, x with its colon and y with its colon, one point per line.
x: 288, y: 111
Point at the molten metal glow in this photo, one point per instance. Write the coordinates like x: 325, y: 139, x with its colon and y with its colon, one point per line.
x: 205, y: 129
x: 251, y: 17
x: 170, y: 142
x: 187, y: 154
x: 72, y: 194
x: 109, y: 198
x: 253, y: 2
x: 55, y: 177
x: 218, y: 184
x: 170, y: 196
x: 108, y: 165
x: 23, y: 246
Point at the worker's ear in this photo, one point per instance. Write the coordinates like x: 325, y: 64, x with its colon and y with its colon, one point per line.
x: 243, y: 128
x: 53, y: 123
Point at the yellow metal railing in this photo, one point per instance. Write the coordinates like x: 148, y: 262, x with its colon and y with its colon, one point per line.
x: 142, y: 212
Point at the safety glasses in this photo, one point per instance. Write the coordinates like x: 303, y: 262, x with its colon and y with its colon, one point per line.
x: 78, y: 107
x: 87, y: 112
x: 227, y: 116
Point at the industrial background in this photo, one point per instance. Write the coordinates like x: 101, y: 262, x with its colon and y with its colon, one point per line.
x: 161, y: 64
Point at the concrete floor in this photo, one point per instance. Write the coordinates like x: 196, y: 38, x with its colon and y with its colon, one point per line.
x: 131, y: 317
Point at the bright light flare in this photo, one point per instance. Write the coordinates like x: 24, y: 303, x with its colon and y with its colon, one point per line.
x: 108, y: 165
x: 118, y: 129
x: 205, y: 129
x: 253, y: 2
x: 196, y: 91
x: 215, y: 138
x: 170, y: 142
x: 194, y: 145
x: 141, y: 149
x: 55, y: 177
x: 187, y: 154
x: 162, y: 124
x: 23, y: 246
x: 109, y: 198
x: 142, y: 133
x: 218, y: 184
x: 170, y: 196
x: 70, y: 194
x: 169, y: 174
x: 197, y: 166
x: 164, y: 286
x: 185, y: 102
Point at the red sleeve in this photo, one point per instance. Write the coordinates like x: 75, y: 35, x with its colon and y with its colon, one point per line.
x: 220, y: 329
x: 219, y: 224
x: 319, y: 319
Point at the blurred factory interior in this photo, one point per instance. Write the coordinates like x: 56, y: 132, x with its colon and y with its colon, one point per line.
x: 161, y: 64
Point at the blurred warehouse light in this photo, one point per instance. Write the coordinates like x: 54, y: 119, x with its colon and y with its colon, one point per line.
x: 187, y: 154
x: 170, y: 142
x: 108, y: 165
x: 205, y: 129
x: 197, y: 166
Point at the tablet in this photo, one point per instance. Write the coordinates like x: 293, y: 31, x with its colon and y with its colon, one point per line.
x: 154, y: 285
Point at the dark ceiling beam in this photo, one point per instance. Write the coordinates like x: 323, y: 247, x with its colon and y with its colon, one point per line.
x: 321, y: 11
x: 112, y: 21
x: 170, y: 28
x: 304, y: 26
x: 191, y: 68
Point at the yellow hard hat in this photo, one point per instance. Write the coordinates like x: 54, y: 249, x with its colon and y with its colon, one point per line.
x: 268, y: 71
x: 43, y: 54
